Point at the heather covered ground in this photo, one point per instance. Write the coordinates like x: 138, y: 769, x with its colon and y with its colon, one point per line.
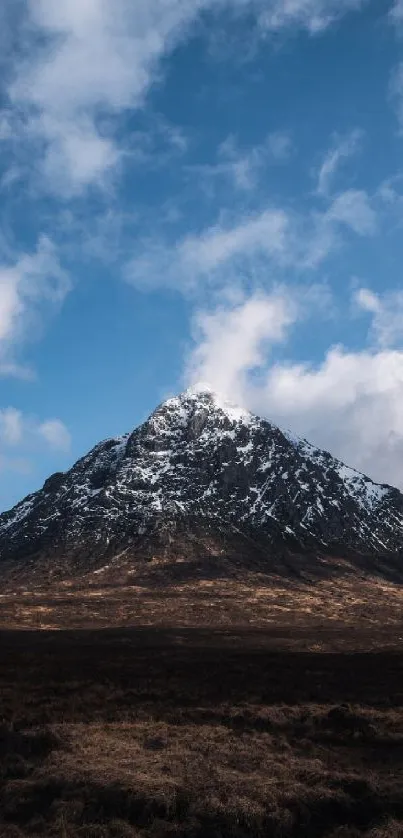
x: 290, y: 727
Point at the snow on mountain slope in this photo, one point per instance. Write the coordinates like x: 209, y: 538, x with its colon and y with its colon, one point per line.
x: 200, y: 457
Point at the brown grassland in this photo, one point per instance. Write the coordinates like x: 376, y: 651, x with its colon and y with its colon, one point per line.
x: 211, y: 710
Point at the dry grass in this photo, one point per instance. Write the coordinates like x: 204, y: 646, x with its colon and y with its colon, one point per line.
x: 198, y: 734
x: 216, y: 709
x: 258, y: 602
x: 230, y: 776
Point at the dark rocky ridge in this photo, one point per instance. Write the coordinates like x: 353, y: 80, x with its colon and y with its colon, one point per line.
x: 201, y: 477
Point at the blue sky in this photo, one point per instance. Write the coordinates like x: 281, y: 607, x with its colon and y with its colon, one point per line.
x: 200, y: 190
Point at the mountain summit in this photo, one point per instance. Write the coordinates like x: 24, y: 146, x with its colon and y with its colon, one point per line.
x: 202, y: 476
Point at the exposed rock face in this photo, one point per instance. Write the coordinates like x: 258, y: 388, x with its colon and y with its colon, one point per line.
x: 199, y: 459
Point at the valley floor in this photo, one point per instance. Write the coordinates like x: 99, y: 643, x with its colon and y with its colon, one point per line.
x: 289, y: 726
x: 374, y: 606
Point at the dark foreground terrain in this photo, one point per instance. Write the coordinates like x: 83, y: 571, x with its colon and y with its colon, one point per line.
x: 201, y: 733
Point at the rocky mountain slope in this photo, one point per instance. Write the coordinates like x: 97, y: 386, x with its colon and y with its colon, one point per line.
x: 201, y: 476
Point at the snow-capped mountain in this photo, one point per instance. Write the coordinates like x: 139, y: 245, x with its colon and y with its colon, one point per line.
x: 210, y: 466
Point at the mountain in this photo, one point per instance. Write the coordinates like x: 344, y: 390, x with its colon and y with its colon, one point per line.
x: 203, y: 480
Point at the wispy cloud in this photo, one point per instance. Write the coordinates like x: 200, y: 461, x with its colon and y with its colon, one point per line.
x: 241, y: 168
x: 322, y: 233
x: 396, y: 12
x: 353, y: 209
x: 28, y: 287
x: 386, y: 312
x: 341, y: 150
x: 20, y: 431
x: 25, y: 440
x: 390, y: 191
x: 84, y: 60
x: 313, y: 15
x: 245, y: 247
x: 55, y: 433
x: 263, y: 233
x: 206, y: 256
x: 396, y: 90
x: 11, y: 426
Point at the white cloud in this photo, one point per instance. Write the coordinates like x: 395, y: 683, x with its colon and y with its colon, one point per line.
x: 242, y: 168
x: 390, y: 191
x: 28, y: 287
x: 265, y: 233
x: 10, y: 304
x: 353, y: 209
x: 231, y: 341
x: 76, y: 156
x: 211, y: 254
x: 342, y: 150
x: 97, y: 58
x: 314, y: 238
x: 280, y: 145
x: 91, y: 58
x: 396, y: 12
x: 55, y: 433
x: 23, y: 437
x: 313, y: 15
x: 350, y: 403
x: 396, y: 89
x: 387, y: 315
x: 11, y: 426
x: 367, y: 300
x: 247, y: 247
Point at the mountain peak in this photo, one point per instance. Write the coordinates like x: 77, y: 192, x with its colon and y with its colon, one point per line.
x: 218, y: 469
x: 204, y: 395
x: 199, y: 388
